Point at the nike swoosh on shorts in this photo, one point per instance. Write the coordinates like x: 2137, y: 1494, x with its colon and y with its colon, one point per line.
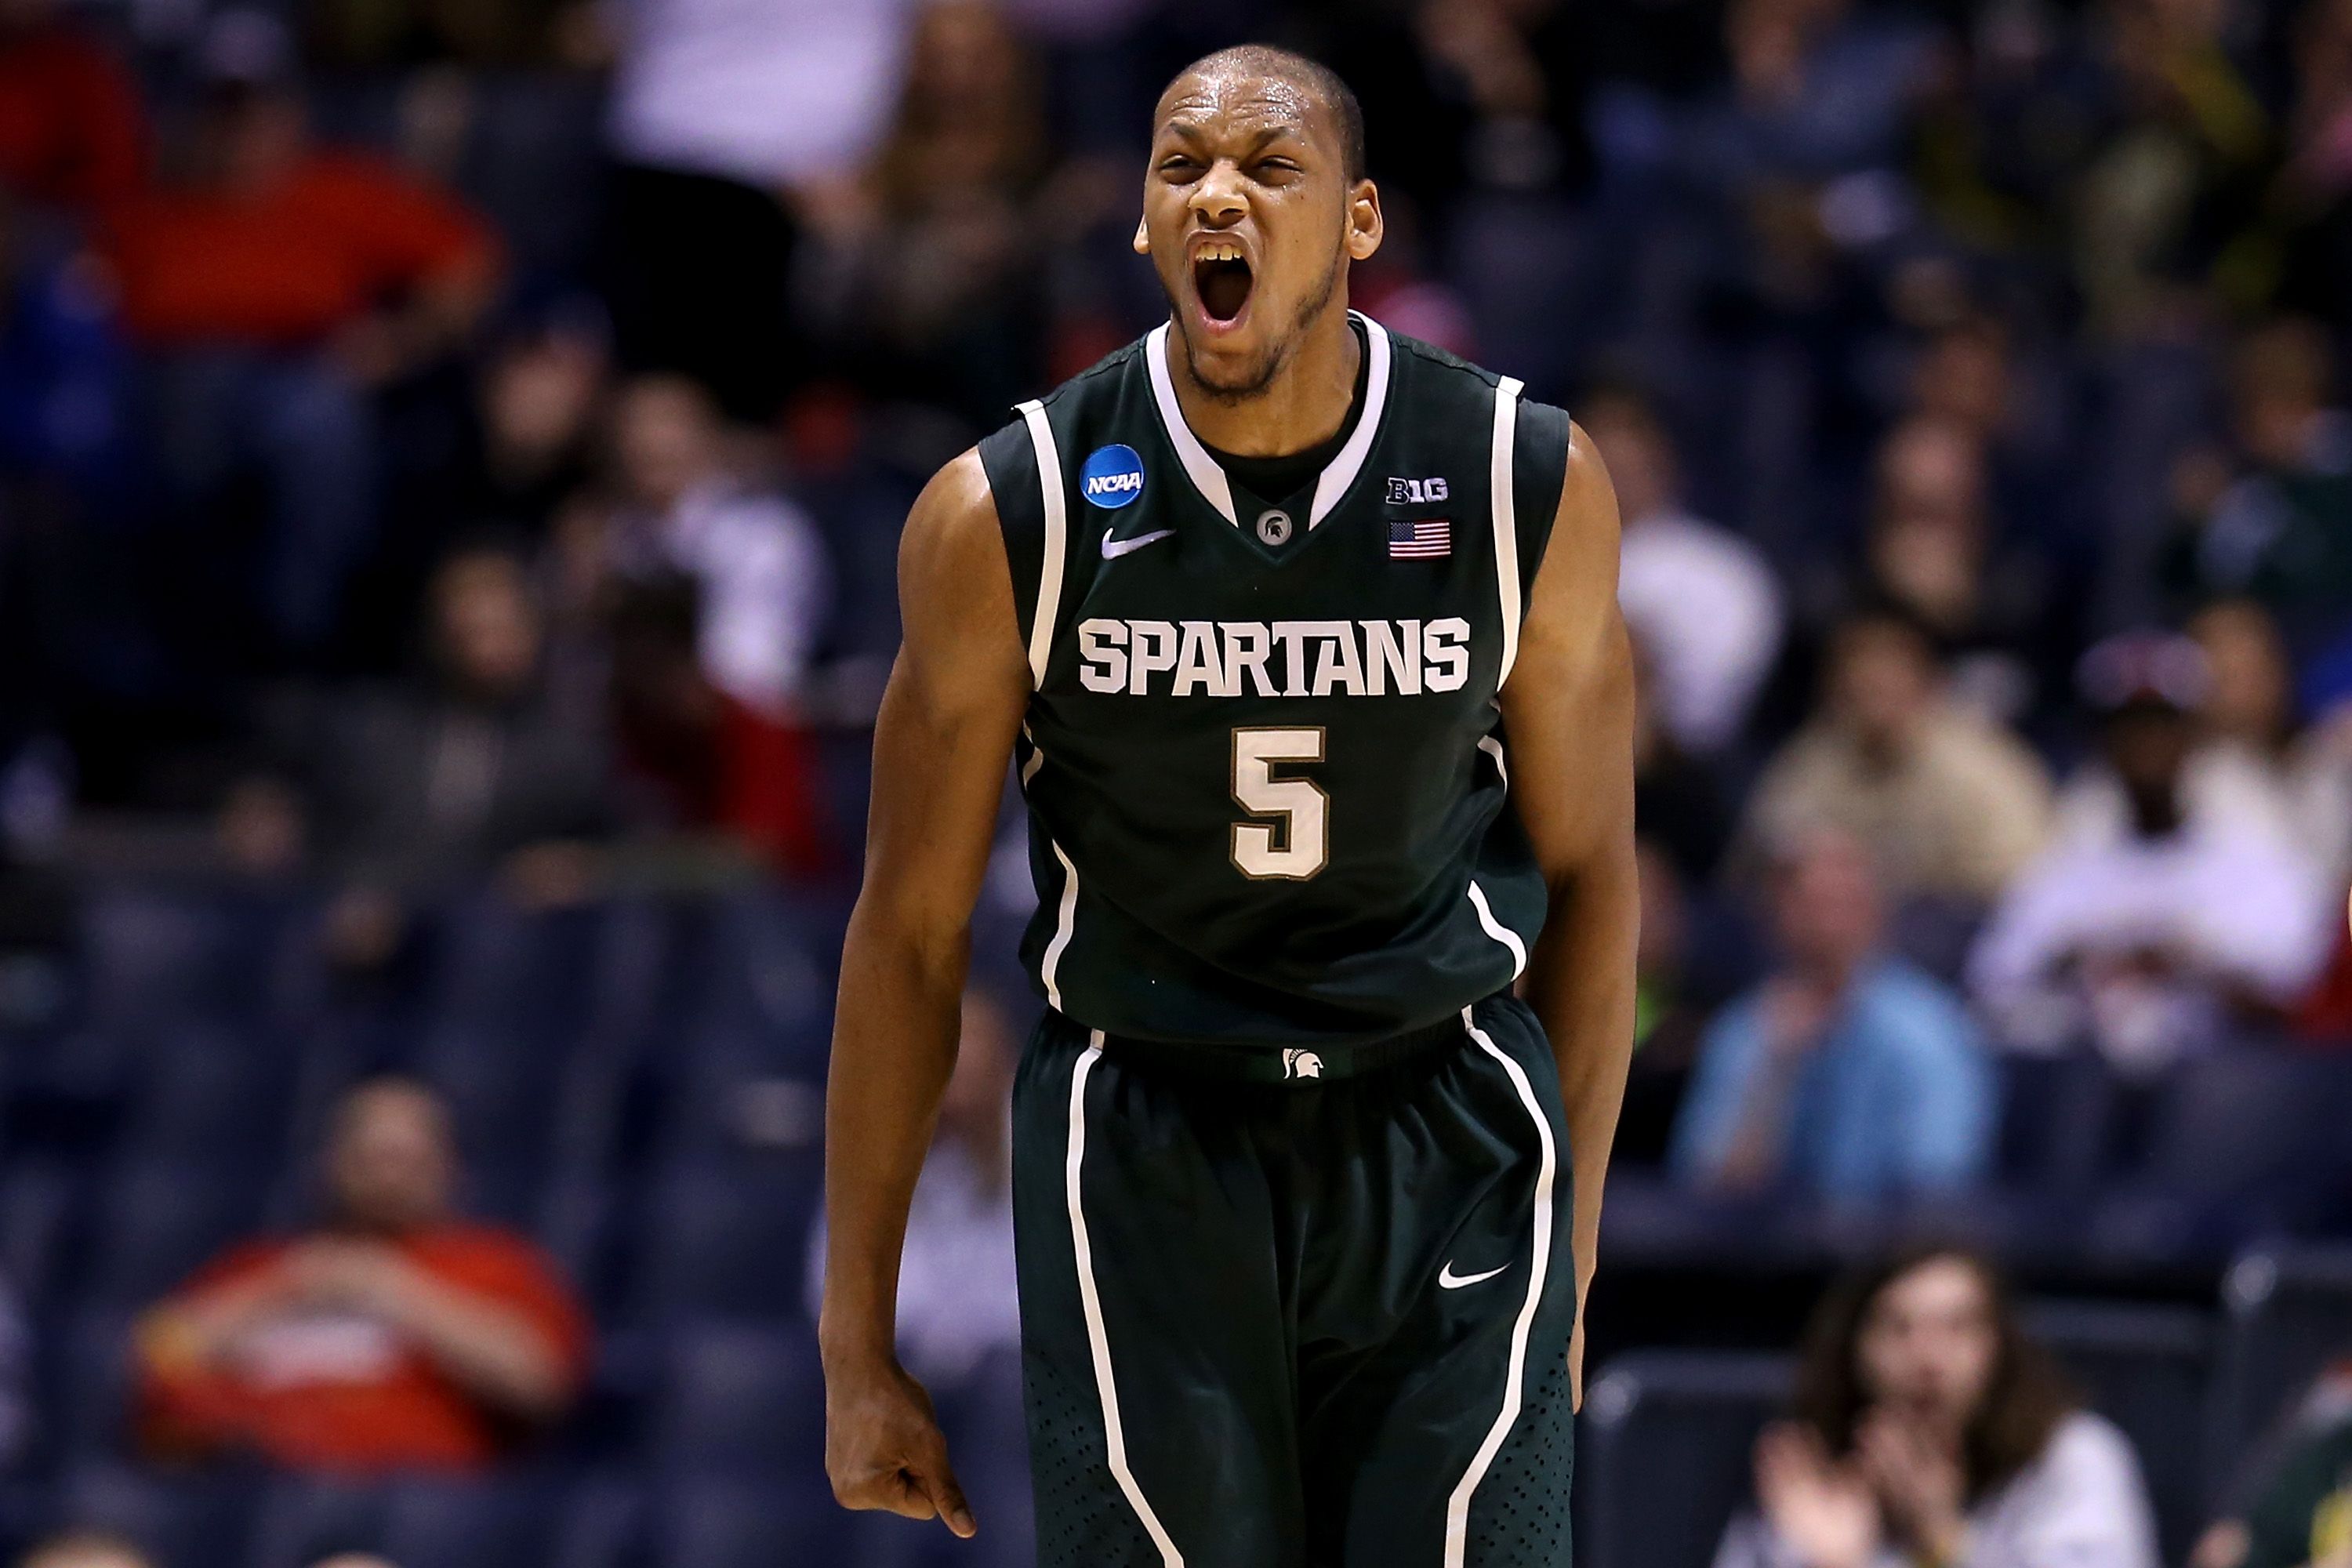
x: 1449, y: 1281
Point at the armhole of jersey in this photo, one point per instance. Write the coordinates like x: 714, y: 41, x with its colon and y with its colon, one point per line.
x: 1545, y: 434
x: 1501, y: 482
x: 1056, y: 514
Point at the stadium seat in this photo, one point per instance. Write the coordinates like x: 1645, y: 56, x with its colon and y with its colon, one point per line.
x: 2285, y: 1315
x: 39, y: 1199
x: 751, y: 1524
x: 504, y: 1522
x: 300, y: 1520
x: 155, y: 957
x: 2247, y: 1139
x: 729, y: 1243
x: 2149, y: 1370
x: 156, y: 1223
x: 2056, y: 1122
x: 88, y: 1379
x: 754, y: 962
x: 1664, y: 1453
x: 188, y: 1519
x: 737, y: 1400
x: 745, y: 1095
x: 213, y: 1097
x: 603, y: 1524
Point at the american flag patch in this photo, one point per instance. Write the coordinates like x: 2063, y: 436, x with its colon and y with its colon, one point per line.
x: 1424, y: 539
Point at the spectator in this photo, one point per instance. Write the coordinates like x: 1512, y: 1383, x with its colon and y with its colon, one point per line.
x: 394, y: 1337
x: 62, y: 366
x: 475, y: 770
x: 737, y: 123
x: 86, y: 1549
x: 72, y: 133
x: 1821, y: 88
x: 2185, y: 140
x: 2301, y: 776
x: 944, y: 260
x: 2313, y: 197
x: 1949, y: 806
x: 1931, y: 551
x: 1848, y: 1072
x: 1703, y: 600
x: 275, y: 288
x: 2274, y: 521
x: 1678, y: 800
x: 2148, y: 941
x: 1929, y: 1429
x: 526, y: 459
x: 707, y: 556
x: 2299, y: 1512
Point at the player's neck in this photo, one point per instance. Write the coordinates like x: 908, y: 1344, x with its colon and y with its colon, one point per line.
x: 1302, y: 406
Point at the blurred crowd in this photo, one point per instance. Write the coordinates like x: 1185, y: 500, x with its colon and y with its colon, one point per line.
x: 449, y: 447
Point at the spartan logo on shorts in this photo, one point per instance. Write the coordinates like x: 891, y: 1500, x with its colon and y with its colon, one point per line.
x: 1298, y: 1064
x: 1112, y: 477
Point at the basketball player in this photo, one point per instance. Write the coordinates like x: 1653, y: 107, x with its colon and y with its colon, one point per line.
x: 1304, y: 637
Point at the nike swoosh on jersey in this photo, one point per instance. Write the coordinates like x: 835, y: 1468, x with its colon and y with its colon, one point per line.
x: 1449, y: 1281
x: 1114, y: 548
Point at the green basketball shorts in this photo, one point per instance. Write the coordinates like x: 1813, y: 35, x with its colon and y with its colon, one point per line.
x: 1291, y: 1310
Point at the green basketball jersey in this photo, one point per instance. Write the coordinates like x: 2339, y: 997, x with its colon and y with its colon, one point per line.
x: 1267, y: 782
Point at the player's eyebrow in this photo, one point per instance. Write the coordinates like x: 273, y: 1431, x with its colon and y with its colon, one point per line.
x: 1192, y: 132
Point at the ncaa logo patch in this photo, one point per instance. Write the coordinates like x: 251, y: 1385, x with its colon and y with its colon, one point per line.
x: 1112, y: 477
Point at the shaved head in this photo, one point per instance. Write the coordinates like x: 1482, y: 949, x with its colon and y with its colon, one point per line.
x: 1317, y: 81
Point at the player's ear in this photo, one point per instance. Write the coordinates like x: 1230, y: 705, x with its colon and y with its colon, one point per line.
x: 1365, y: 224
x: 1142, y: 241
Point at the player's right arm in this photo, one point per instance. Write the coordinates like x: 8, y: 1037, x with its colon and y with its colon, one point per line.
x: 941, y: 744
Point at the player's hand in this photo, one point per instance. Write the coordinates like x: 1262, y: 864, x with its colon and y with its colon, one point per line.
x: 883, y: 1449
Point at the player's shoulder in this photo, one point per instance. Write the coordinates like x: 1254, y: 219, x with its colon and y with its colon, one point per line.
x: 1427, y: 370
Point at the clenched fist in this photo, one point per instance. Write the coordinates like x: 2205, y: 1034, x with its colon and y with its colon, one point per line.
x: 883, y: 1447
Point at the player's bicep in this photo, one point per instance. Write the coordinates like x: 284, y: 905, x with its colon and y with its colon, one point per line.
x: 1569, y: 704
x: 954, y: 702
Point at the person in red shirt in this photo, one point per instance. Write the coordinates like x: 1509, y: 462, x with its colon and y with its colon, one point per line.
x: 395, y: 1337
x: 272, y: 290
x: 72, y: 133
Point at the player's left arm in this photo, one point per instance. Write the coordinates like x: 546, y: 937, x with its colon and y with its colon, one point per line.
x: 1569, y: 710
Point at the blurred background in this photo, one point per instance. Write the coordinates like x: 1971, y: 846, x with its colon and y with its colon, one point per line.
x: 451, y: 459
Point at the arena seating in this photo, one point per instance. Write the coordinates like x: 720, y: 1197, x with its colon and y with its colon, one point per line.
x: 640, y: 1084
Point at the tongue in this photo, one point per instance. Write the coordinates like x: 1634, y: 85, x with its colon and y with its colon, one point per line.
x: 1225, y: 288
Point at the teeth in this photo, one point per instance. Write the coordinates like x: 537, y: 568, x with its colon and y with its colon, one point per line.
x: 1217, y: 251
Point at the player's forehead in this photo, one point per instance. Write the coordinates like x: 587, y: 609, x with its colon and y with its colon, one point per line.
x: 1220, y: 104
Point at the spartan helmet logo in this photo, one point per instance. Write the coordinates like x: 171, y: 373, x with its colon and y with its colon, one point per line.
x: 1301, y: 1064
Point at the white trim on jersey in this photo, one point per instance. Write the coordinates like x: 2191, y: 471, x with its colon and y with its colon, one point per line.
x: 1349, y: 462
x: 1057, y: 529
x: 1049, y: 967
x: 1494, y: 747
x: 1209, y: 478
x: 1090, y: 1300
x: 1457, y: 1507
x: 1506, y: 521
x: 1499, y: 930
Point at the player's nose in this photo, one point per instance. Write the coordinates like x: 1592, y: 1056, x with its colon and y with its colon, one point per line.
x: 1219, y: 198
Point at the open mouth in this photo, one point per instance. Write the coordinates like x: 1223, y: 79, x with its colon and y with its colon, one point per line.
x: 1221, y: 278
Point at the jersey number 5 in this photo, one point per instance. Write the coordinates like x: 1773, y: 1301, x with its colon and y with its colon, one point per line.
x: 1298, y: 844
